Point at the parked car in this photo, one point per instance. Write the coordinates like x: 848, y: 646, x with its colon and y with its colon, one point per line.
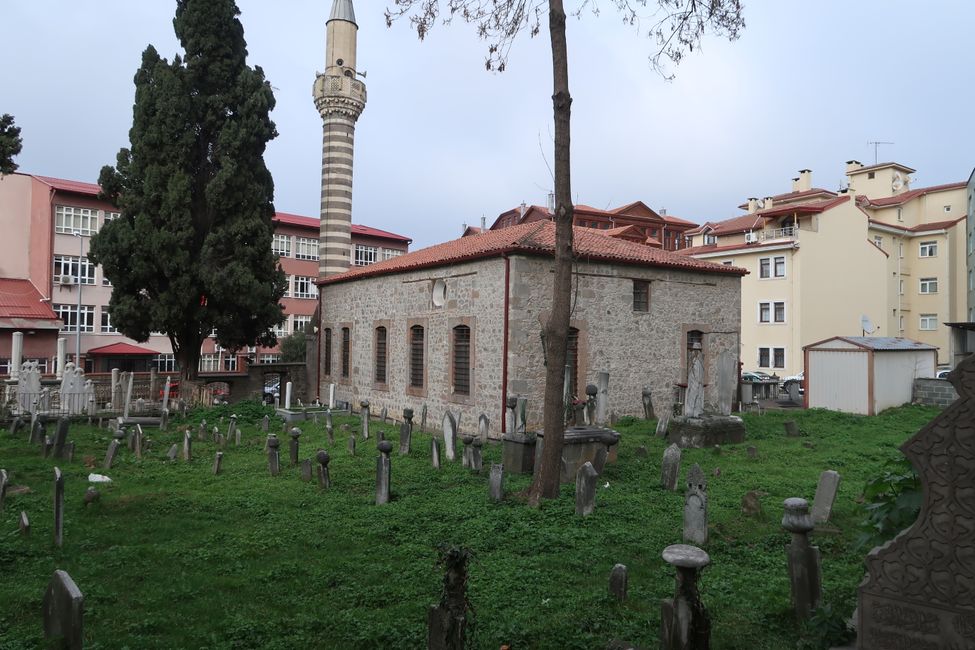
x: 943, y: 373
x: 756, y: 375
x: 801, y: 378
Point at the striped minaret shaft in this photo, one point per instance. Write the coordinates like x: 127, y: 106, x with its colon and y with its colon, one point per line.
x: 340, y: 98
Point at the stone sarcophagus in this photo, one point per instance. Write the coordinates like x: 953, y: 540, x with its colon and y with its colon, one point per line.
x: 919, y: 593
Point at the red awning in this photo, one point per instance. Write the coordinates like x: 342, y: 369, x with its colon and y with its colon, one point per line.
x: 121, y: 349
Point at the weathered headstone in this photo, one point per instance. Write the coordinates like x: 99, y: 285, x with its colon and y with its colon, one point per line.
x: 477, y: 460
x: 647, y: 397
x: 496, y: 482
x: 352, y: 445
x: 618, y: 579
x: 24, y: 524
x: 751, y: 504
x: 287, y: 395
x: 805, y: 573
x: 662, y: 425
x: 465, y: 457
x: 727, y: 380
x: 435, y: 453
x: 128, y: 395
x: 173, y: 452
x: 383, y: 471
x: 829, y: 483
x: 202, y: 433
x: 324, y: 480
x: 58, y: 507
x: 423, y: 419
x: 187, y: 446
x: 364, y: 416
x: 406, y: 432
x: 138, y: 441
x: 273, y: 456
x: 483, y: 426
x: 232, y: 433
x: 791, y: 428
x: 696, y: 507
x: 217, y: 462
x: 266, y: 423
x: 64, y: 609
x: 602, y: 399
x: 752, y: 451
x: 306, y: 471
x: 4, y: 482
x: 16, y: 424
x: 60, y: 437
x: 684, y: 621
x: 599, y: 460
x: 694, y: 396
x: 591, y: 391
x: 670, y: 468
x: 38, y: 433
x: 293, y: 445
x: 586, y: 489
x: 449, y: 425
x: 111, y: 454
x: 47, y: 446
x: 384, y: 414
x: 522, y: 415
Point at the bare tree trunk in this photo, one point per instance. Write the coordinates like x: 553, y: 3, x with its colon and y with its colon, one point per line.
x: 186, y: 350
x: 546, y: 480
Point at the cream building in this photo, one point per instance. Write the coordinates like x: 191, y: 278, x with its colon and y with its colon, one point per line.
x: 877, y: 256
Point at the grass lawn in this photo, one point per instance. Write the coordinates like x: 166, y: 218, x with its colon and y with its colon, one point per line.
x: 174, y: 557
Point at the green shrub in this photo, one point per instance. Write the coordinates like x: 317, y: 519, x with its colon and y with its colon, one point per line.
x: 892, y: 501
x: 825, y: 629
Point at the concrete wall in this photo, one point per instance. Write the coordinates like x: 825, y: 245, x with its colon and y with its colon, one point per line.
x: 934, y: 392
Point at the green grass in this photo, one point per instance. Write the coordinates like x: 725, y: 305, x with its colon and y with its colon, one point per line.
x: 173, y: 557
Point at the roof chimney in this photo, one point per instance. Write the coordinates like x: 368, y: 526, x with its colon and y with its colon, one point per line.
x: 853, y: 165
x: 523, y: 209
x: 551, y: 202
x: 767, y: 203
x: 795, y: 184
x: 663, y: 212
x: 752, y: 204
x: 483, y: 223
x: 805, y: 180
x: 463, y: 229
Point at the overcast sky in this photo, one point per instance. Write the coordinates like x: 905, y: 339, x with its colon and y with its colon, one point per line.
x: 442, y: 142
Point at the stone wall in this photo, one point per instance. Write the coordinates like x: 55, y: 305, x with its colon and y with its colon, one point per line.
x: 934, y: 392
x: 636, y: 348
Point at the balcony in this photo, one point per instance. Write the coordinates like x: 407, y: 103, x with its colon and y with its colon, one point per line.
x: 790, y: 232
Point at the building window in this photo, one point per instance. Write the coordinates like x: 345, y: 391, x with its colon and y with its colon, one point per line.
x: 381, y: 336
x: 710, y: 239
x: 328, y: 351
x: 947, y: 208
x: 270, y: 358
x: 771, y: 312
x: 69, y: 220
x: 4, y: 367
x: 416, y: 356
x: 304, y: 287
x: 389, y: 253
x: 871, y: 175
x: 346, y: 356
x: 165, y: 362
x: 107, y: 327
x: 281, y: 245
x: 69, y: 315
x: 462, y: 360
x: 779, y: 309
x: 281, y: 329
x: 779, y: 266
x: 364, y: 255
x: 230, y: 363
x: 900, y: 250
x: 287, y: 286
x: 209, y: 363
x: 929, y: 285
x: 878, y: 241
x: 66, y: 269
x: 929, y: 322
x: 301, y: 323
x: 641, y: 295
x: 112, y: 216
x: 778, y: 357
x: 765, y: 267
x: 902, y: 287
x: 900, y: 214
x: 771, y: 357
x: 928, y: 249
x: 900, y: 324
x: 306, y: 248
x: 42, y: 363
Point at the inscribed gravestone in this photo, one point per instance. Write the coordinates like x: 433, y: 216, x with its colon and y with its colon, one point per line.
x: 496, y: 482
x: 618, y: 582
x: 449, y: 434
x: 64, y: 607
x: 727, y: 370
x: 670, y: 468
x: 829, y: 483
x: 694, y: 397
x: 696, y: 508
x: 586, y: 489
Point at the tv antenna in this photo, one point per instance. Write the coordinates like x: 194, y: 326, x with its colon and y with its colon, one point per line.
x: 876, y: 149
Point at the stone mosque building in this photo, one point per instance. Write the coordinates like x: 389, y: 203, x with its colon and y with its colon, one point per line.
x: 458, y: 325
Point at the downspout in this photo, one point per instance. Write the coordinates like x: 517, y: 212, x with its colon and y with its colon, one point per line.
x: 504, y: 345
x: 318, y: 346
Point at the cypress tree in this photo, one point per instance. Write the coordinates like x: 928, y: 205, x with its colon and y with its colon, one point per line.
x: 10, y: 144
x: 191, y: 251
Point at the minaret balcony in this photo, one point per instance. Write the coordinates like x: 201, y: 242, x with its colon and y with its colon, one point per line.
x: 331, y: 85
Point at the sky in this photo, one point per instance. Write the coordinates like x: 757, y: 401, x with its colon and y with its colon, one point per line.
x: 442, y: 142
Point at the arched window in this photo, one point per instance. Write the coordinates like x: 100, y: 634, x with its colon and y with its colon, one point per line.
x: 328, y: 351
x: 416, y: 356
x: 462, y: 360
x: 380, y: 376
x: 346, y: 344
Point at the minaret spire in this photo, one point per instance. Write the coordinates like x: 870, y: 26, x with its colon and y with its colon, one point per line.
x: 340, y: 98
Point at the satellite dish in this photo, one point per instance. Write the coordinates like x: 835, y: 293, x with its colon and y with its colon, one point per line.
x: 866, y: 324
x: 897, y: 183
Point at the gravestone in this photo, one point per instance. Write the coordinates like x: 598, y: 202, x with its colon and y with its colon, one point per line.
x: 324, y: 480
x: 273, y: 457
x: 477, y: 461
x: 618, y: 580
x: 791, y: 428
x: 110, y: 454
x: 496, y: 482
x: 328, y: 419
x: 920, y: 589
x: 684, y: 621
x: 602, y: 399
x: 352, y: 445
x: 483, y: 426
x: 293, y: 445
x: 466, y: 439
x: 829, y: 483
x: 217, y: 462
x: 805, y: 573
x: 696, y: 508
x: 266, y: 423
x: 187, y: 446
x: 586, y: 489
x: 641, y: 451
x: 24, y: 523
x: 16, y: 424
x: 510, y: 417
x: 727, y: 376
x: 384, y: 415
x: 793, y: 388
x: 751, y: 504
x: 287, y: 395
x: 91, y: 496
x: 64, y: 609
x: 670, y: 468
x: 449, y: 425
x: 137, y: 441
x: 522, y: 415
x: 447, y: 621
x: 46, y: 447
x: 406, y: 432
x: 662, y: 424
x: 38, y: 432
x: 383, y: 471
x: 202, y: 433
x: 435, y: 453
x: 4, y: 482
x: 599, y: 460
x: 58, y: 507
x: 364, y: 417
x: 60, y: 437
x: 423, y: 419
x: 694, y: 396
x: 232, y: 433
x: 752, y: 451
x: 173, y: 452
x: 647, y: 397
x: 306, y: 471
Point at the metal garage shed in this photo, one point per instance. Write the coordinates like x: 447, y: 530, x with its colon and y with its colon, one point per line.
x: 865, y: 374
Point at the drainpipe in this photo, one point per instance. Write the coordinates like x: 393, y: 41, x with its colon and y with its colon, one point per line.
x: 504, y: 344
x: 318, y: 347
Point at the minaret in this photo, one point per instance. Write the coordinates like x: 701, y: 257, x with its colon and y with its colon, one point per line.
x: 340, y: 98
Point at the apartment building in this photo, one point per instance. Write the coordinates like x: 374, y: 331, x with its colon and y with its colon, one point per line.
x: 878, y: 257
x: 48, y: 223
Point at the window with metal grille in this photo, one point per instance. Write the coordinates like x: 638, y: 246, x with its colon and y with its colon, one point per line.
x: 462, y: 360
x: 380, y: 355
x: 328, y: 351
x: 641, y: 295
x: 416, y: 356
x: 346, y: 342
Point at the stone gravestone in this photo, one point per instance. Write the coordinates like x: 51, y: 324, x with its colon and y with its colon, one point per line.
x: 684, y: 622
x: 383, y: 471
x: 647, y: 405
x: 483, y: 426
x: 4, y: 481
x: 173, y: 452
x: 696, y: 507
x: 60, y: 437
x: 111, y: 454
x: 662, y: 424
x: 670, y: 468
x: 273, y: 457
x: 602, y: 399
x: 618, y: 580
x: 751, y: 503
x: 791, y: 428
x: 752, y: 451
x: 919, y: 591
x: 58, y: 507
x: 324, y: 480
x: 265, y: 423
x: 449, y: 434
x: 586, y: 489
x: 406, y: 432
x: 293, y: 445
x: 384, y: 415
x: 423, y: 419
x: 24, y: 524
x: 590, y: 409
x: 201, y: 435
x: 435, y: 453
x: 829, y: 483
x: 364, y: 415
x: 64, y: 608
x: 217, y: 462
x: 477, y: 460
x: 496, y: 482
x: 447, y: 621
x: 694, y: 397
x: 522, y: 415
x: 805, y: 574
x: 232, y: 432
x: 187, y: 446
x: 352, y: 445
x: 38, y: 432
x: 727, y: 371
x: 510, y: 416
x: 466, y: 453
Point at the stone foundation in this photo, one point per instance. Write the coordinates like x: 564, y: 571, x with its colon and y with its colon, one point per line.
x: 706, y: 431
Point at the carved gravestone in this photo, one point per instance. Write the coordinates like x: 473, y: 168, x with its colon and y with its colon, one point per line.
x: 684, y: 621
x: 696, y: 508
x: 591, y: 391
x: 805, y: 571
x: 383, y: 470
x: 423, y: 419
x: 324, y: 480
x: 618, y: 582
x: 662, y: 424
x: 406, y: 433
x: 496, y: 482
x: 435, y: 453
x: 510, y: 416
x: 602, y: 399
x: 670, y: 468
x: 364, y: 417
x: 829, y: 483
x: 920, y: 589
x: 449, y: 434
x: 586, y: 489
x: 647, y: 403
x: 64, y: 607
x: 217, y: 462
x: 483, y: 426
x: 694, y: 398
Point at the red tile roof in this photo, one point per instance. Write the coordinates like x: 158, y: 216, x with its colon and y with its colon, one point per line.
x: 536, y: 238
x: 904, y: 197
x: 315, y: 223
x: 754, y: 220
x: 76, y: 187
x: 121, y: 349
x: 296, y: 220
x: 367, y: 231
x: 700, y: 250
x: 924, y: 227
x: 794, y: 196
x: 21, y: 299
